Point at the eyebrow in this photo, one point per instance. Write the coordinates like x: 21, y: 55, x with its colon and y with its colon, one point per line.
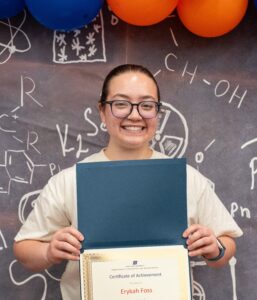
x: 127, y: 97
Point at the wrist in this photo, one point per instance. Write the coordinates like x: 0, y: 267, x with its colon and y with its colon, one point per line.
x: 45, y: 254
x: 222, y: 250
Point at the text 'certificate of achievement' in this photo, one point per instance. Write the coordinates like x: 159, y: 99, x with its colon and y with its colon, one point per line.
x: 133, y: 214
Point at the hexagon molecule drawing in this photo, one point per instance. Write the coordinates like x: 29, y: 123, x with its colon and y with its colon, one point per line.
x: 9, y: 171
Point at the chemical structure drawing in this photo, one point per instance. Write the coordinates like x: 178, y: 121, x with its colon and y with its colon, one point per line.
x: 16, y: 36
x: 11, y: 173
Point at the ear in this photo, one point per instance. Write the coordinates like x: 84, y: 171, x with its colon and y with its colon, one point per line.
x: 101, y: 112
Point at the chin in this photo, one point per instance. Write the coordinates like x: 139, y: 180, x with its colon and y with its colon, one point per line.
x: 135, y: 144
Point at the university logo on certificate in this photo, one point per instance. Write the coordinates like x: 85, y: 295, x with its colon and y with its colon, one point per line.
x: 132, y: 214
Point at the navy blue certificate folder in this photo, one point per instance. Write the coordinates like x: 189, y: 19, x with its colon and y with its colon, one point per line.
x: 132, y: 203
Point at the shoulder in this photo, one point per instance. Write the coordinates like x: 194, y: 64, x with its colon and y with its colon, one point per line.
x: 98, y: 156
x: 195, y: 180
x: 191, y: 171
x: 195, y: 176
x: 66, y: 177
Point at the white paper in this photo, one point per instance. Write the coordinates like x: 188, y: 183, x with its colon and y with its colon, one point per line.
x: 150, y: 273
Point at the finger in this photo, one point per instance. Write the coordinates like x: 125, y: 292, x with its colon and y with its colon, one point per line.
x: 199, y: 243
x: 69, y: 238
x: 203, y: 251
x: 64, y: 246
x: 62, y: 255
x: 74, y: 232
x: 199, y: 234
x: 190, y: 230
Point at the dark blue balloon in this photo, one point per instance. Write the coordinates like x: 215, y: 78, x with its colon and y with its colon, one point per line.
x: 10, y: 8
x: 64, y: 14
x: 255, y: 3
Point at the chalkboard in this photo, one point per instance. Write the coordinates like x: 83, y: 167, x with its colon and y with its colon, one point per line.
x: 50, y: 85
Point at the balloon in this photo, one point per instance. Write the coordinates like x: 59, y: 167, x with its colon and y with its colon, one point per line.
x: 64, y: 14
x: 10, y: 8
x: 211, y: 18
x: 142, y: 12
x: 255, y: 3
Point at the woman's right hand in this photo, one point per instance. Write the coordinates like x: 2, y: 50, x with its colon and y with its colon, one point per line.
x: 64, y: 245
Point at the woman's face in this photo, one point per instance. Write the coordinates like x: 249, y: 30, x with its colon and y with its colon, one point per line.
x: 133, y: 131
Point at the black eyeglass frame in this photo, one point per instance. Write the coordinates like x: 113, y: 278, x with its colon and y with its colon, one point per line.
x: 110, y: 102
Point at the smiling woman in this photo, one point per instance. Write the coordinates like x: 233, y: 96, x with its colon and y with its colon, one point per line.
x: 129, y: 106
x: 130, y: 114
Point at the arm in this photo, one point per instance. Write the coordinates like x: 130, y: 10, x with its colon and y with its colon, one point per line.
x: 202, y: 241
x: 38, y: 255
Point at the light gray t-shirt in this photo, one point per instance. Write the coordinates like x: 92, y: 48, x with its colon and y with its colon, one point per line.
x: 56, y: 207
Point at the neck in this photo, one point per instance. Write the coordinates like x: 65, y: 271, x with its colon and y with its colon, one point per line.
x: 127, y: 154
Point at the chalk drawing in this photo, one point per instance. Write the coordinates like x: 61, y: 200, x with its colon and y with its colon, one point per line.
x: 19, y: 283
x: 9, y: 47
x: 198, y: 290
x: 12, y: 158
x: 3, y: 241
x: 253, y: 163
x: 171, y: 145
x: 85, y: 45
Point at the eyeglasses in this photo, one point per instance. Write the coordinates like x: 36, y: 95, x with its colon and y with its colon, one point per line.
x: 122, y: 108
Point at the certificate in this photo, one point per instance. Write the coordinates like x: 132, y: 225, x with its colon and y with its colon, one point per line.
x: 147, y: 273
x: 132, y: 214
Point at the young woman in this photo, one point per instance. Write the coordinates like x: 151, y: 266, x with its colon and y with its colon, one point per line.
x: 129, y: 106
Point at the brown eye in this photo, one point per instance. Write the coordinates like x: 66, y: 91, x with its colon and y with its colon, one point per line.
x: 120, y: 104
x: 150, y: 105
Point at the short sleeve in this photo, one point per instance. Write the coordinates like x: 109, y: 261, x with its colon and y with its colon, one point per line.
x: 49, y: 213
x: 208, y: 209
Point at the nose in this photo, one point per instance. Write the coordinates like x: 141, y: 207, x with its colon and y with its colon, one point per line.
x: 134, y: 113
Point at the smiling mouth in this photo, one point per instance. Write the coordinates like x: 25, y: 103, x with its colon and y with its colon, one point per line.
x: 133, y: 128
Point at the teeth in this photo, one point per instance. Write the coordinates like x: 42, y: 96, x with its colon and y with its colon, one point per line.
x: 133, y: 128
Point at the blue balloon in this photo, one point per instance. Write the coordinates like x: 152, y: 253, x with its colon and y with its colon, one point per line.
x: 64, y: 14
x: 10, y: 8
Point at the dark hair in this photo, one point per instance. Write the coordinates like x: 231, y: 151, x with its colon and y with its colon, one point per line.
x: 121, y: 70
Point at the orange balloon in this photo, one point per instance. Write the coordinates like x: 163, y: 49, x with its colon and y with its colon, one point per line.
x: 142, y: 12
x: 211, y: 18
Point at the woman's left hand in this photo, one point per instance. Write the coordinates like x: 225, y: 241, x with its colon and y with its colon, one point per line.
x: 201, y: 240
